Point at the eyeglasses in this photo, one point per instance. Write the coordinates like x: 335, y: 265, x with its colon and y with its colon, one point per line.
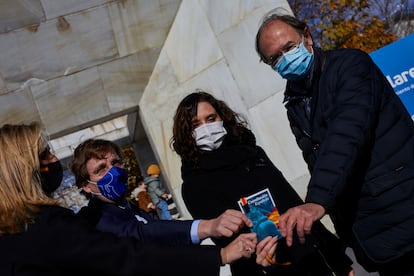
x: 274, y: 59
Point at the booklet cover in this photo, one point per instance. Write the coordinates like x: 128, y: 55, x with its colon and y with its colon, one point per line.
x: 261, y: 210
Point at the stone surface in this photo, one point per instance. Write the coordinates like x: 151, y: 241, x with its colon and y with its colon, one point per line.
x: 71, y: 64
x: 82, y: 62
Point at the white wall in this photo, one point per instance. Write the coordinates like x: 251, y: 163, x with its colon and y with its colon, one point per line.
x: 211, y: 45
x: 74, y: 63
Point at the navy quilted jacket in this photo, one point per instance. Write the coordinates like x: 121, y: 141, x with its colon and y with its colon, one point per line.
x: 358, y: 141
x: 107, y: 217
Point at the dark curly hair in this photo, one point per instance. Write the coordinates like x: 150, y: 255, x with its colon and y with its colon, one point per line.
x: 183, y: 142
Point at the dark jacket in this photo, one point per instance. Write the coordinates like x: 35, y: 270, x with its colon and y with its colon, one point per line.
x: 358, y: 141
x: 121, y: 221
x: 59, y: 243
x: 225, y: 175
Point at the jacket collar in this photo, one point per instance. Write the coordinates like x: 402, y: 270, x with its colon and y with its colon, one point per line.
x: 227, y: 157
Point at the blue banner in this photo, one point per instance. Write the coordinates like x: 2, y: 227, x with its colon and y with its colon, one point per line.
x: 396, y: 61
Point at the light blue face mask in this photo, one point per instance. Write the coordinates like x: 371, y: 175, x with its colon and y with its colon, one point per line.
x: 295, y: 64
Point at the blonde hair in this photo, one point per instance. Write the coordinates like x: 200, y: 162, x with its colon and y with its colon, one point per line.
x: 20, y: 186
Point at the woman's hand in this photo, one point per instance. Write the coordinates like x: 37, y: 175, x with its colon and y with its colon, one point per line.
x: 243, y: 246
x: 266, y: 251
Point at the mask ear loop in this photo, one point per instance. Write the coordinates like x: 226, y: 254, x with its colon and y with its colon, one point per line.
x: 305, y: 36
x: 94, y: 183
x: 305, y: 43
x: 92, y: 193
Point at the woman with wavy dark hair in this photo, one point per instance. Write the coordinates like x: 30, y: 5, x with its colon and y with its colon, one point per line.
x: 221, y: 163
x: 183, y: 141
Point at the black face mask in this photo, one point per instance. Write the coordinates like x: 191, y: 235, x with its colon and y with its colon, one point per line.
x: 51, y: 176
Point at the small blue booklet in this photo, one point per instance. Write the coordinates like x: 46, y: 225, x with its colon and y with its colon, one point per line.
x: 261, y: 210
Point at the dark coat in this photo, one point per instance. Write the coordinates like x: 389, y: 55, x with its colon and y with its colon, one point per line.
x: 234, y: 171
x: 359, y: 146
x: 59, y: 243
x: 122, y: 222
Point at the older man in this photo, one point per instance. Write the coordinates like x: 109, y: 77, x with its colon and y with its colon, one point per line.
x: 357, y: 139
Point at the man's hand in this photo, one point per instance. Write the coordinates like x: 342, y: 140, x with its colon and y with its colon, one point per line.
x: 228, y: 223
x: 302, y: 217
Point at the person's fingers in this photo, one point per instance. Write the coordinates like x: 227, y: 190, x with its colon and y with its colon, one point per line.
x: 220, y: 227
x: 224, y: 232
x: 233, y: 224
x: 290, y: 225
x: 307, y: 229
x: 265, y: 245
x: 260, y: 246
x: 307, y: 226
x: 286, y: 220
x: 251, y: 236
x: 237, y: 218
x: 250, y: 241
x: 261, y: 260
x: 282, y: 223
x: 247, y: 248
x: 230, y: 222
x: 272, y: 250
x: 226, y: 228
x: 265, y: 251
x: 247, y: 221
x: 300, y: 222
x: 302, y: 217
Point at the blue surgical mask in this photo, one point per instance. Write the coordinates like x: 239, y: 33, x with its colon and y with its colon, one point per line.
x: 295, y: 64
x: 113, y: 184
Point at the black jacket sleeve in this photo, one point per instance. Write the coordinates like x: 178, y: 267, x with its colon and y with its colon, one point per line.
x: 59, y: 243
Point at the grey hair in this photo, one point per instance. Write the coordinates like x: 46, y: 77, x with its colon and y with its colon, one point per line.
x: 278, y: 14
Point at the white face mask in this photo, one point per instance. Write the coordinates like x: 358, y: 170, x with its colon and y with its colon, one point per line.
x: 210, y: 136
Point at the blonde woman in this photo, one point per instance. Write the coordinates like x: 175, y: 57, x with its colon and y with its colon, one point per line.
x: 37, y: 237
